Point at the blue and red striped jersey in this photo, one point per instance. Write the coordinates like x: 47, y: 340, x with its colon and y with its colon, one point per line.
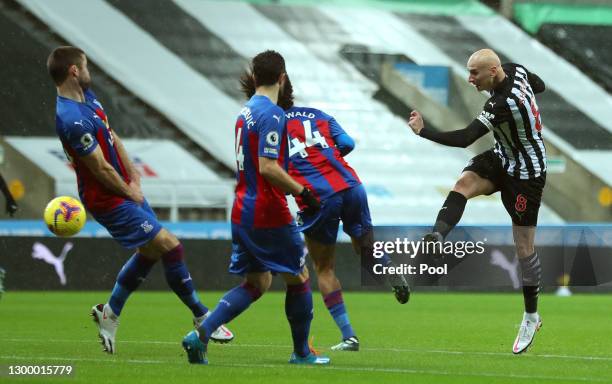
x: 314, y: 159
x: 81, y: 128
x: 260, y: 131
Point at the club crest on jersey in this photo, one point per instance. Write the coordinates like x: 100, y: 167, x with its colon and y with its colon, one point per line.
x: 87, y: 140
x: 146, y: 227
x: 272, y: 138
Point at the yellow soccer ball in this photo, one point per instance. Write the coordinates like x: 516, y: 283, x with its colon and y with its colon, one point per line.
x: 65, y: 216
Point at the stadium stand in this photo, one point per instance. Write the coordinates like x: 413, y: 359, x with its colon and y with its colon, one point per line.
x: 201, y: 88
x: 200, y: 49
x: 32, y: 45
x: 577, y: 31
x: 31, y: 90
x: 131, y: 117
x: 585, y: 46
x: 177, y: 94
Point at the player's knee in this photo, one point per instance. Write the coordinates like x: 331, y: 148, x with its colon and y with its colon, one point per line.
x: 167, y: 241
x: 298, y: 279
x: 323, y: 264
x: 465, y: 186
x: 365, y: 243
x: 261, y: 281
x: 163, y: 243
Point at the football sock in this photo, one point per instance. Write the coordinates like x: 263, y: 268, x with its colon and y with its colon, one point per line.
x: 298, y: 308
x: 450, y: 213
x: 231, y: 305
x: 335, y: 306
x: 532, y: 278
x: 179, y: 280
x: 132, y: 274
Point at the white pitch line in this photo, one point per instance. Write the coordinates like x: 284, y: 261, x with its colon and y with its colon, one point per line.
x: 344, y: 369
x: 276, y: 346
x: 55, y: 358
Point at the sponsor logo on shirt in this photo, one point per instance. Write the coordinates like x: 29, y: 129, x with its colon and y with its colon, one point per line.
x: 487, y: 115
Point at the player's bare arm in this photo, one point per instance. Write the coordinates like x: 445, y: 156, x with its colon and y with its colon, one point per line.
x: 272, y: 172
x: 277, y: 176
x: 125, y: 159
x: 133, y: 173
x: 108, y: 176
x: 461, y: 138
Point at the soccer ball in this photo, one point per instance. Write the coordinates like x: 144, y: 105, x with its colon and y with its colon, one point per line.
x: 65, y: 216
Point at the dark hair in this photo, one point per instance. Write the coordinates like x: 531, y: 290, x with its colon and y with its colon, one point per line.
x: 285, y: 96
x: 61, y: 59
x: 267, y: 67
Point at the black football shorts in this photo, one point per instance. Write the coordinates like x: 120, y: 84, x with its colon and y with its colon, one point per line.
x: 521, y: 198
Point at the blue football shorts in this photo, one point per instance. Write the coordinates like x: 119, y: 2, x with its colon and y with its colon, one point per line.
x: 349, y: 206
x: 278, y: 250
x: 132, y: 225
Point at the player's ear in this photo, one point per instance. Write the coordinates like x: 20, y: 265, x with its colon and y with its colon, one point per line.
x: 73, y: 70
x: 493, y: 71
x: 281, y: 79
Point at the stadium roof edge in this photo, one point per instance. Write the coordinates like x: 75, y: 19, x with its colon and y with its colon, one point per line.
x: 431, y: 7
x: 532, y: 15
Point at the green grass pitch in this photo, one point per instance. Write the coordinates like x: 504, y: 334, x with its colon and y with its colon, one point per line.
x: 436, y: 338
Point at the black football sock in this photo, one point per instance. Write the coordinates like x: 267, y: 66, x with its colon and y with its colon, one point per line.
x: 450, y: 213
x: 532, y: 278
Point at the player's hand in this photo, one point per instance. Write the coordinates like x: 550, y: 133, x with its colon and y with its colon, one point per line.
x: 312, y: 203
x: 11, y: 207
x: 416, y: 122
x: 136, y: 193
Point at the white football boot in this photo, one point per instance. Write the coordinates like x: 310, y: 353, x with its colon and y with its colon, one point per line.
x: 107, y: 323
x: 220, y: 335
x: 532, y: 322
x: 348, y: 344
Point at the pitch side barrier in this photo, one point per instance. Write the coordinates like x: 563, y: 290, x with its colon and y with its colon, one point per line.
x: 478, y: 258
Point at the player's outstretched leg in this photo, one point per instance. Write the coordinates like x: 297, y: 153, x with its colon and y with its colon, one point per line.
x: 531, y: 278
x: 106, y: 316
x: 364, y: 245
x: 167, y: 247
x: 469, y: 185
x: 233, y: 303
x: 298, y: 308
x: 448, y: 216
x: 322, y: 256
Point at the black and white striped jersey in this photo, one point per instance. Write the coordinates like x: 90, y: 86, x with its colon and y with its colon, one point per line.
x: 512, y: 114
